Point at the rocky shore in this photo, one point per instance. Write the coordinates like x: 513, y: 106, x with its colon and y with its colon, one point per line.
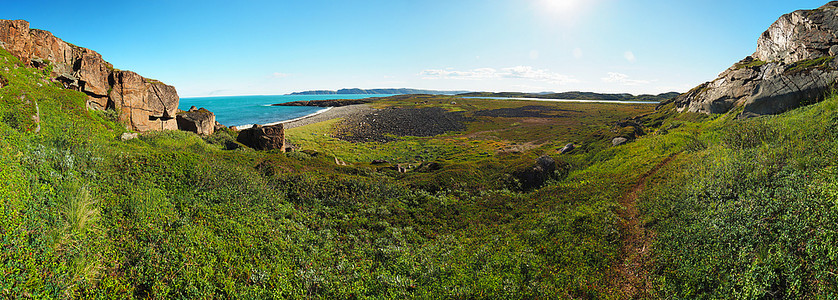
x: 334, y: 113
x: 385, y: 124
x: 325, y: 103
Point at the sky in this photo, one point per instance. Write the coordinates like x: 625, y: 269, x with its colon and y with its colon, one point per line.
x: 222, y: 47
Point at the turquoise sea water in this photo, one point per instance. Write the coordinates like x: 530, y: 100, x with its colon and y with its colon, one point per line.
x: 248, y: 110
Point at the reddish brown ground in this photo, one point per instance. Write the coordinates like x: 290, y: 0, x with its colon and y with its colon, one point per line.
x: 632, y: 273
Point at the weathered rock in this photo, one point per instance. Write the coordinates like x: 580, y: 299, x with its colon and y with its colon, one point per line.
x: 800, y: 35
x: 534, y: 177
x: 128, y: 136
x: 200, y: 121
x: 618, y: 141
x: 340, y: 162
x: 263, y: 138
x: 567, y: 148
x: 397, y: 167
x: 143, y: 104
x: 218, y: 126
x: 793, y: 65
x: 429, y: 167
x: 379, y: 162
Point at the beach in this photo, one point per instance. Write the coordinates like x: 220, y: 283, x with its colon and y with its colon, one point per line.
x: 328, y: 114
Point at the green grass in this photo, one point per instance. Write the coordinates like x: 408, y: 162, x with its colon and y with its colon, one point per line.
x: 752, y: 64
x: 747, y: 207
x: 809, y: 64
x: 753, y: 214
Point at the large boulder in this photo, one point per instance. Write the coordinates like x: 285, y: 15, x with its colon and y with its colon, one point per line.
x: 200, y: 121
x: 535, y: 176
x: 792, y: 66
x: 263, y: 137
x: 143, y: 104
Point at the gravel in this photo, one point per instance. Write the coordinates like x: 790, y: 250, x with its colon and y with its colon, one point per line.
x: 385, y: 124
x: 334, y: 113
x: 529, y: 111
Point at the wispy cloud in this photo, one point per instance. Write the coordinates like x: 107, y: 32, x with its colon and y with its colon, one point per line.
x: 577, y: 53
x: 630, y: 56
x: 280, y: 75
x: 482, y: 73
x: 219, y: 92
x: 614, y: 77
x: 518, y: 72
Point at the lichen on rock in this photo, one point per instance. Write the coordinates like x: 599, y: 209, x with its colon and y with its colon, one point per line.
x: 793, y: 65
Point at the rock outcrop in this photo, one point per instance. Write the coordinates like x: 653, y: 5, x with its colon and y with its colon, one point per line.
x: 794, y: 64
x: 535, y: 176
x: 200, y: 121
x: 263, y: 137
x: 143, y: 104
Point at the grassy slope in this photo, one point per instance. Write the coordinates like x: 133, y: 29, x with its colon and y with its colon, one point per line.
x: 171, y: 215
x: 751, y: 210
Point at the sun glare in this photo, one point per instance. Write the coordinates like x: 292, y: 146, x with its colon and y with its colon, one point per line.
x: 562, y: 6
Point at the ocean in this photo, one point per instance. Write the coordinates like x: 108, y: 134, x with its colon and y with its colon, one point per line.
x: 248, y: 110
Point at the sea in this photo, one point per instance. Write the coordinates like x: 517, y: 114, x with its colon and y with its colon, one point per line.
x: 244, y: 111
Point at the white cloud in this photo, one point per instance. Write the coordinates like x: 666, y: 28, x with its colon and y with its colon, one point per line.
x: 481, y: 73
x: 577, y: 53
x: 279, y: 75
x: 534, y: 54
x: 630, y: 56
x: 518, y: 72
x: 614, y: 77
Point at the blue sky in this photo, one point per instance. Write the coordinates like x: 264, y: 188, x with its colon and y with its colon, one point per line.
x: 227, y: 47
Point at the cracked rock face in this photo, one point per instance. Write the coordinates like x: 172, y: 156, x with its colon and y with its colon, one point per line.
x: 143, y: 104
x: 200, y: 121
x: 263, y: 138
x: 793, y: 65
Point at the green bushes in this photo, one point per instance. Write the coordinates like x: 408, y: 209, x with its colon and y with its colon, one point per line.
x: 754, y: 214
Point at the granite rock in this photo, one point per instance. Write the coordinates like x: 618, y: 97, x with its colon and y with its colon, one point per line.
x: 793, y: 65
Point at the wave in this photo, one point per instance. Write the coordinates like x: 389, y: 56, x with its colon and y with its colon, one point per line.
x: 246, y: 126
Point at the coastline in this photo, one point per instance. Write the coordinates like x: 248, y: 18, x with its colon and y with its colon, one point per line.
x: 325, y: 114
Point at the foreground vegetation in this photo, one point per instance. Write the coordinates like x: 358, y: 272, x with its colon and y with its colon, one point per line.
x: 751, y: 210
x: 746, y: 207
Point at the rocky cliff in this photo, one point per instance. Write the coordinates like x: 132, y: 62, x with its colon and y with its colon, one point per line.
x: 794, y: 64
x: 143, y: 104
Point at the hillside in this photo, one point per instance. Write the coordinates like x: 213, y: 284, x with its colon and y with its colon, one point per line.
x: 357, y: 91
x: 173, y: 215
x: 436, y: 196
x: 576, y: 96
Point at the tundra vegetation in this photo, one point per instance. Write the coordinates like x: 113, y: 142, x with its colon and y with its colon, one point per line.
x: 743, y: 207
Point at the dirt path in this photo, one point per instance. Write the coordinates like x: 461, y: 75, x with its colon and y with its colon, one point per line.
x: 632, y: 273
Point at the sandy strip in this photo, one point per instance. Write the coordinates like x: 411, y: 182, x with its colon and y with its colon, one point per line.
x: 325, y: 115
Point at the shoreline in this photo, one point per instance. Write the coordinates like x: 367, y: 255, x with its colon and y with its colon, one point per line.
x: 246, y: 126
x: 324, y: 114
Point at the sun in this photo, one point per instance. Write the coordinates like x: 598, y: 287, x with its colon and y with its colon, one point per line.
x: 562, y: 6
